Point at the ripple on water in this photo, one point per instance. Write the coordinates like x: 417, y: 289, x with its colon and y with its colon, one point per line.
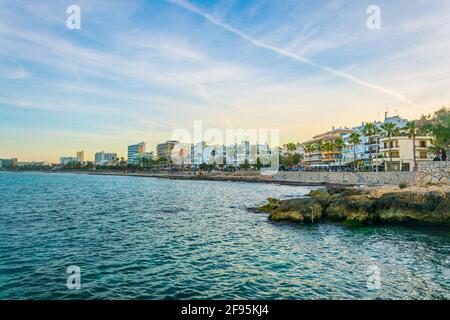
x: 164, y: 239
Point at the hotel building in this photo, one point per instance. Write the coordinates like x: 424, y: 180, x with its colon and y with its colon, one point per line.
x: 164, y: 150
x: 134, y: 151
x: 368, y: 150
x: 324, y: 158
x: 68, y: 160
x: 80, y: 156
x: 402, y: 151
x: 103, y: 157
x: 8, y: 163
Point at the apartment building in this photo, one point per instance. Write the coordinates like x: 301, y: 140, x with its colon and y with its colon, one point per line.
x: 319, y: 157
x: 398, y: 152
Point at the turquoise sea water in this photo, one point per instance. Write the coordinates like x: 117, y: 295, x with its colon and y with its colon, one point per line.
x: 146, y: 238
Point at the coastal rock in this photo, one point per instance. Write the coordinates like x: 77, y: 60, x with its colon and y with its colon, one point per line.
x: 423, y: 208
x: 352, y: 209
x: 271, y: 206
x: 289, y: 216
x: 359, y: 206
x: 297, y: 210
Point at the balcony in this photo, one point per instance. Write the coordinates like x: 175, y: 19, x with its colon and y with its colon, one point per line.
x: 422, y: 147
x: 387, y: 149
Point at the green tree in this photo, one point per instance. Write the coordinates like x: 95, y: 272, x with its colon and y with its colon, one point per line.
x: 411, y: 129
x: 291, y: 147
x: 389, y: 130
x: 318, y: 146
x: 369, y: 130
x: 438, y: 124
x: 354, y: 139
x: 296, y: 158
x: 309, y: 148
x: 328, y: 147
x: 339, y: 145
x: 245, y: 165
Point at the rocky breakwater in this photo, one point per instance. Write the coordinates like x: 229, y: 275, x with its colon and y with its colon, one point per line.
x: 365, y: 206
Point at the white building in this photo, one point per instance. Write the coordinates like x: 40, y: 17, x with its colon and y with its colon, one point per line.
x: 68, y: 160
x: 134, y: 151
x: 103, y: 157
x: 369, y: 148
x: 34, y: 164
x: 401, y: 149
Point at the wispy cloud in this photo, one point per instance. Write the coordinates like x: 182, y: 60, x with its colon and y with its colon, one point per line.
x: 141, y: 68
x: 288, y: 54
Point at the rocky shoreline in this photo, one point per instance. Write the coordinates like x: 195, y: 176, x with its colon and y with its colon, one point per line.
x: 362, y: 206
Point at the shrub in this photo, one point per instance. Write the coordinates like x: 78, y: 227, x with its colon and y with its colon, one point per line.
x: 403, y: 185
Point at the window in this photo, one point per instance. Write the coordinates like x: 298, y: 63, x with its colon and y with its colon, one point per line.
x: 422, y: 144
x: 423, y: 155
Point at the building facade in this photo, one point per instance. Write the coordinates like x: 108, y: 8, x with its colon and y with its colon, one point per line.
x: 368, y: 151
x: 33, y: 164
x: 103, y: 157
x: 8, y: 163
x: 68, y: 160
x: 315, y: 155
x: 164, y: 150
x: 134, y: 152
x: 80, y: 156
x: 398, y: 152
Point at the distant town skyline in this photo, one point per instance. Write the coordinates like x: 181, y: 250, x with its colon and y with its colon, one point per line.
x: 137, y: 70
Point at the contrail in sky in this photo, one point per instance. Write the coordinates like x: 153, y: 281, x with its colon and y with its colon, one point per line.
x: 186, y: 5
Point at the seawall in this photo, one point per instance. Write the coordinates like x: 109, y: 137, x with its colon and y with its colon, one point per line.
x: 430, y: 173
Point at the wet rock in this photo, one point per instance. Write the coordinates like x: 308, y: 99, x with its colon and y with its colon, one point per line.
x: 359, y: 207
x: 297, y: 210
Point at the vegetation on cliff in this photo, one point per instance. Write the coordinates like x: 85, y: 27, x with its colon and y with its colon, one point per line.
x: 368, y: 206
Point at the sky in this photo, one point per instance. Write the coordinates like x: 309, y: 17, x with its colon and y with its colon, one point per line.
x: 139, y: 69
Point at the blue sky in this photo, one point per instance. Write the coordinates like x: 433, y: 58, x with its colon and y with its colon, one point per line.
x: 139, y: 69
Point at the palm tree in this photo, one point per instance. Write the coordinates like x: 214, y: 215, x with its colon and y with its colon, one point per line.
x: 328, y: 147
x: 369, y: 130
x: 339, y: 145
x: 309, y: 148
x: 412, y: 133
x: 319, y: 146
x: 354, y: 139
x: 291, y: 147
x: 389, y: 130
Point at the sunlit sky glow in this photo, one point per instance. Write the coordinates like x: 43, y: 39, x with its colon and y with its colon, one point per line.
x: 139, y: 69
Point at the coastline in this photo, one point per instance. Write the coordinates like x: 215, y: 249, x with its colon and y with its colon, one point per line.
x: 250, y: 178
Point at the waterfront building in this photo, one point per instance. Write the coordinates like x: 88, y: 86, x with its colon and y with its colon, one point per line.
x: 299, y: 149
x: 33, y: 164
x: 145, y: 158
x: 103, y: 157
x: 8, y: 163
x: 368, y: 151
x: 134, y: 152
x: 80, y: 156
x: 231, y: 155
x: 318, y: 156
x: 68, y: 160
x: 402, y: 151
x: 164, y: 150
